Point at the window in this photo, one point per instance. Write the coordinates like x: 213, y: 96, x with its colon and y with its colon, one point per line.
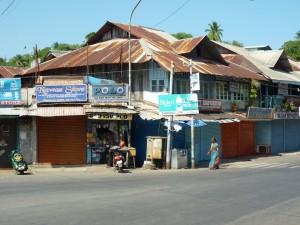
x: 221, y: 90
x: 157, y: 85
x: 182, y: 86
x: 243, y: 94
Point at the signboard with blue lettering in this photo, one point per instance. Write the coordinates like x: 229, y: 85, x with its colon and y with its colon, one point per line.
x: 108, y: 93
x: 178, y: 104
x: 10, y: 91
x: 61, y: 93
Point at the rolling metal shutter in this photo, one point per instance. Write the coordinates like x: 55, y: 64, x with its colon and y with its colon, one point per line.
x: 238, y: 139
x: 61, y: 140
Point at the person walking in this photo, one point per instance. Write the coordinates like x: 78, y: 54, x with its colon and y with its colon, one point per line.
x: 214, y: 154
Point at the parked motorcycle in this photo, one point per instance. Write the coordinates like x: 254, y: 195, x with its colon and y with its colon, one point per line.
x: 19, y: 164
x: 119, y: 162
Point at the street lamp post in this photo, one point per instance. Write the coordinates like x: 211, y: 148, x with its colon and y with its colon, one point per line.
x: 129, y: 54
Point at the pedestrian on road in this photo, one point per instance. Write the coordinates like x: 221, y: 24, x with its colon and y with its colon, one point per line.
x: 214, y: 154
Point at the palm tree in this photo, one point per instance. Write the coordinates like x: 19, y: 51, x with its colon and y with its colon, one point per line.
x: 297, y: 37
x: 214, y: 31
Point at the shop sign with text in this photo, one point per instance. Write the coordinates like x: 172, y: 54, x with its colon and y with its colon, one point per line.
x: 180, y: 104
x: 111, y: 116
x: 287, y: 115
x: 109, y: 93
x: 260, y: 113
x: 10, y: 91
x: 61, y: 93
x: 210, y: 105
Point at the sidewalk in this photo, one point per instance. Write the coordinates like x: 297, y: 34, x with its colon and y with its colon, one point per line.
x: 101, y: 168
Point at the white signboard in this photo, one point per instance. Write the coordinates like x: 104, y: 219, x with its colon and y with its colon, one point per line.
x: 195, y: 82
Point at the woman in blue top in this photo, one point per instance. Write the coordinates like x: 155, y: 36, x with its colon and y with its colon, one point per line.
x: 214, y: 154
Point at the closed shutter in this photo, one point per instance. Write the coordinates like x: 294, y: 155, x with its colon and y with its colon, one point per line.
x: 62, y: 140
x: 246, y: 138
x: 230, y: 140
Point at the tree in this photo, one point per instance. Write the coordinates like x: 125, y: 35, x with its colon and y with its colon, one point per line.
x: 292, y: 49
x: 182, y: 35
x: 297, y: 37
x: 20, y: 60
x: 237, y: 43
x: 88, y: 36
x: 214, y: 31
x: 2, y: 62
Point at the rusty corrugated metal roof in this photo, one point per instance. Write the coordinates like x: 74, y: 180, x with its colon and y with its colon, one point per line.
x: 9, y: 71
x: 186, y: 45
x: 149, y: 47
x: 109, y: 52
x: 242, y: 61
x: 136, y: 31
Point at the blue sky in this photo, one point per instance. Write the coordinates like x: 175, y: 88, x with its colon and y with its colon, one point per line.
x: 43, y: 22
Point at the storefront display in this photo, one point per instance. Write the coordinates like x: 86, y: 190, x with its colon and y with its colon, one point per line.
x: 104, y: 132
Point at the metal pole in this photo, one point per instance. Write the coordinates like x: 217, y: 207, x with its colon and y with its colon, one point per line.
x: 129, y: 55
x: 169, y: 135
x: 192, y: 125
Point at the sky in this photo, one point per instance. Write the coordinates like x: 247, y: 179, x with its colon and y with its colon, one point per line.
x: 25, y: 24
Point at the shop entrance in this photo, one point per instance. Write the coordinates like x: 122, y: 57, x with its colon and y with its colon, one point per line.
x: 103, y: 132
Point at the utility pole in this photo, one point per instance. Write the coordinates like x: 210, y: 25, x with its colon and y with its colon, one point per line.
x: 169, y: 135
x: 192, y: 125
x: 190, y: 65
x: 129, y: 54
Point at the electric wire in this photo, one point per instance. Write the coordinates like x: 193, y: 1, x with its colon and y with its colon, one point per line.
x: 7, y: 7
x: 172, y: 13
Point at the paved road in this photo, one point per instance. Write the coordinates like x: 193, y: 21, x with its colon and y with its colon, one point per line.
x: 230, y: 195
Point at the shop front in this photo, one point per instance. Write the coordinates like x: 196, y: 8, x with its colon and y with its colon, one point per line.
x: 105, y: 130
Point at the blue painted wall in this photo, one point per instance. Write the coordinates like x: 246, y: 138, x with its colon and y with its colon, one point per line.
x: 142, y: 128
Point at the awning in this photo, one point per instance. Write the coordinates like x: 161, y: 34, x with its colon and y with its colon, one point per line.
x: 52, y: 111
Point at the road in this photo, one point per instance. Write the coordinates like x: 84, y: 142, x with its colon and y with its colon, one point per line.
x: 230, y: 195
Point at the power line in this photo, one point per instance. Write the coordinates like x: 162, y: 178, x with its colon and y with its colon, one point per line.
x: 7, y: 7
x: 172, y: 13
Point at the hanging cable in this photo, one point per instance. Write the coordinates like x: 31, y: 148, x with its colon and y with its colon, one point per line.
x: 172, y: 13
x: 7, y: 7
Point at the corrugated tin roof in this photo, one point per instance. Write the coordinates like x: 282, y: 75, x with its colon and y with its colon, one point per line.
x: 149, y: 47
x: 137, y: 31
x: 9, y: 71
x: 274, y: 75
x: 117, y: 110
x: 13, y: 112
x: 52, y: 111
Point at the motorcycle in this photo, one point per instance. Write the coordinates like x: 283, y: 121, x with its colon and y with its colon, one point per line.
x: 119, y: 162
x: 17, y: 161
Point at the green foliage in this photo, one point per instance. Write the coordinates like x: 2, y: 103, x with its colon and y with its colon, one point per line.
x: 214, y: 31
x: 253, y: 92
x: 236, y: 43
x: 292, y: 49
x: 20, y: 60
x: 64, y: 46
x: 90, y: 35
x: 288, y: 106
x: 182, y: 35
x: 2, y: 62
x: 297, y: 37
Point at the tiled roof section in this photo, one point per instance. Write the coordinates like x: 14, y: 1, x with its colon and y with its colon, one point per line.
x: 9, y: 72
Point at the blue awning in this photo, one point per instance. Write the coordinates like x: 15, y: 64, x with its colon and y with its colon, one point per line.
x: 93, y: 80
x: 197, y: 123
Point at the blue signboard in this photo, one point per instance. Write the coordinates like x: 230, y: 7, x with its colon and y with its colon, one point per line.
x: 10, y: 91
x: 109, y: 92
x: 178, y: 104
x: 61, y: 93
